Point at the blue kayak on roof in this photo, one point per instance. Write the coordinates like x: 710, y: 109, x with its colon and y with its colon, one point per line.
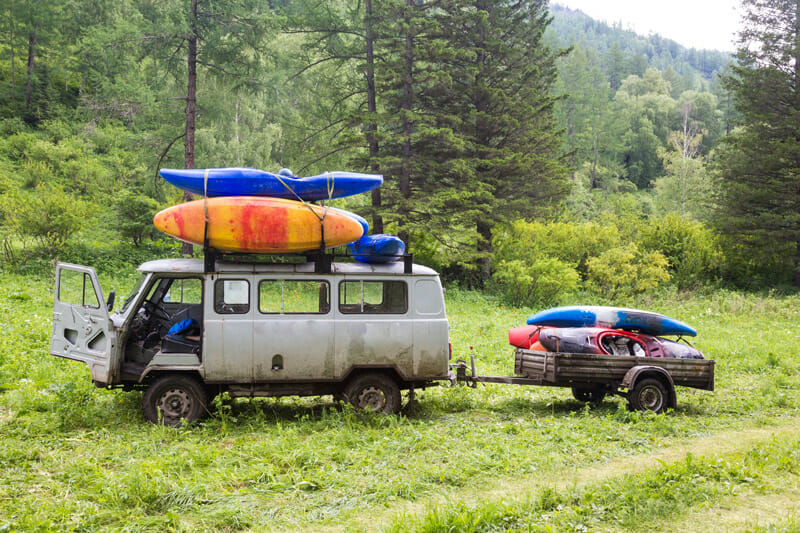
x: 611, y: 317
x: 378, y: 248
x: 240, y: 181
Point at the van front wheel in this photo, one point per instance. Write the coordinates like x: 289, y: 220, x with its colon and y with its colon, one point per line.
x: 374, y: 392
x: 170, y: 400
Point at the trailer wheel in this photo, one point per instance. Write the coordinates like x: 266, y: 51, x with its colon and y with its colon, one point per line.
x: 648, y: 395
x: 588, y: 395
x: 171, y: 399
x: 374, y: 392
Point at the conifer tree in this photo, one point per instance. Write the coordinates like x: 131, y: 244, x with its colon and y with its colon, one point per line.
x: 759, y: 165
x: 501, y: 101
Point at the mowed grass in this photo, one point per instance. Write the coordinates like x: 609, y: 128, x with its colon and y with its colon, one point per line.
x: 73, y: 457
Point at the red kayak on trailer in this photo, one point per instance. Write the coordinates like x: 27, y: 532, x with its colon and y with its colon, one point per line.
x: 600, y: 341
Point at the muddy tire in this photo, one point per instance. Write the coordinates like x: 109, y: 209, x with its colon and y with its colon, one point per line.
x: 171, y: 400
x: 374, y: 392
x: 648, y: 395
x: 584, y: 395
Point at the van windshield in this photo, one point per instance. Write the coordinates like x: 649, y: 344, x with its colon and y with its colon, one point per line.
x: 132, y: 295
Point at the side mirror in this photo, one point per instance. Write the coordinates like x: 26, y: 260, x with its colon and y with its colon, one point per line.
x: 111, y: 297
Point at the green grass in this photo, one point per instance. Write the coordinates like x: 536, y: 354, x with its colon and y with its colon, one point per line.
x: 73, y: 457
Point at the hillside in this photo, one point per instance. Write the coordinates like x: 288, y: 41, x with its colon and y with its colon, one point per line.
x: 574, y: 26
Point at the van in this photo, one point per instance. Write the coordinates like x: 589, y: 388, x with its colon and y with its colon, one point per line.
x: 190, y: 331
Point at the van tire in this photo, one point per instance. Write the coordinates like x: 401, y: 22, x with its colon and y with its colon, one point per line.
x: 374, y: 392
x: 172, y: 399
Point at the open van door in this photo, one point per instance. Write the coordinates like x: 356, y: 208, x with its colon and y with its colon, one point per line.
x: 82, y: 329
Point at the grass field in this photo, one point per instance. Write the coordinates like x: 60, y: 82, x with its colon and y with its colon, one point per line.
x: 73, y: 457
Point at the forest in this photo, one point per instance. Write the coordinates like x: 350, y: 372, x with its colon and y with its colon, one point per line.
x: 526, y: 149
x: 531, y: 155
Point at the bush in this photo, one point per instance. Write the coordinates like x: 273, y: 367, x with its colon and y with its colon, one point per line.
x: 572, y: 243
x: 539, y: 282
x: 134, y: 217
x: 50, y: 216
x: 691, y: 248
x: 624, y: 271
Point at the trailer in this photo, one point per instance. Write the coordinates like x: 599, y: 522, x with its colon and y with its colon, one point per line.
x: 648, y: 383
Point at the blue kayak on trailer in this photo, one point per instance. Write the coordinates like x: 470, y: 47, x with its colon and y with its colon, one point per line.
x: 378, y: 248
x: 611, y: 317
x: 240, y: 181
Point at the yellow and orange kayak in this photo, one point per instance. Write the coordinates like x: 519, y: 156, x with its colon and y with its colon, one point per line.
x: 259, y: 225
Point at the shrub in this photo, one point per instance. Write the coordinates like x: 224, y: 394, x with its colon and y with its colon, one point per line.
x: 50, y: 216
x: 625, y: 270
x: 691, y: 248
x: 134, y: 217
x: 538, y: 282
x: 570, y: 242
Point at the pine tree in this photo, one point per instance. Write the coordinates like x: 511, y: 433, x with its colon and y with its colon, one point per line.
x: 759, y: 165
x: 416, y: 149
x: 500, y: 91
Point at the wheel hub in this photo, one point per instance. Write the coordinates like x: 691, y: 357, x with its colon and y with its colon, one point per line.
x: 372, y: 398
x: 650, y: 398
x: 174, y: 404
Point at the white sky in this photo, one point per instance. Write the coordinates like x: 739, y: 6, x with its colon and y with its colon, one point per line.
x: 693, y: 23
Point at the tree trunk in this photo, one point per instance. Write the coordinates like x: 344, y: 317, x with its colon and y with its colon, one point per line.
x: 31, y: 60
x: 481, y: 103
x: 484, y: 249
x: 13, y: 72
x: 371, y: 128
x: 408, y: 79
x: 191, y: 104
x: 796, y: 109
x: 572, y: 141
x: 797, y: 265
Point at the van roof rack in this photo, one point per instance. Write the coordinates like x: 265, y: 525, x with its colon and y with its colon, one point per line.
x: 323, y: 262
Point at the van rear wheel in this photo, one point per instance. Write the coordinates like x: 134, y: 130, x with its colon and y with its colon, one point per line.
x: 171, y: 399
x: 374, y: 392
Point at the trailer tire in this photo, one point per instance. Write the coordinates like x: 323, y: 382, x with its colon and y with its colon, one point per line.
x: 584, y: 395
x: 374, y: 392
x: 172, y: 399
x: 648, y: 395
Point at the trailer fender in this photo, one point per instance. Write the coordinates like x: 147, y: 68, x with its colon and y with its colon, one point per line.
x: 642, y: 371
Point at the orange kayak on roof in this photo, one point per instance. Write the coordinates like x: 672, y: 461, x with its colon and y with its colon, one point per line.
x: 258, y: 224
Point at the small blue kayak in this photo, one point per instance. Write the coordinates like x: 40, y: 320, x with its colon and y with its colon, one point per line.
x: 611, y: 317
x: 378, y: 248
x: 239, y: 181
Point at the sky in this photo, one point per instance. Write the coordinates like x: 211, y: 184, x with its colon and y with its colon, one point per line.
x: 698, y: 24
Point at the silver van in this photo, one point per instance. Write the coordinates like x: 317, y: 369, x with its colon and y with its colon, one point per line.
x: 188, y: 332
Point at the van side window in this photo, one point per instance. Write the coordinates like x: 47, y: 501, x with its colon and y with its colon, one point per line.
x: 231, y: 296
x: 378, y: 297
x: 185, y: 291
x: 290, y: 296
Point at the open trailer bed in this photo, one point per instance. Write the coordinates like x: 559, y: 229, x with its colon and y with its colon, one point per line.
x: 648, y: 383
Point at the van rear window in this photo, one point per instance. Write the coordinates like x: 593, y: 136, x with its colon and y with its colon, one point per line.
x: 373, y: 297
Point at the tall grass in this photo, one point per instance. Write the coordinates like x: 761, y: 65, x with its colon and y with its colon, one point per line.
x: 76, y: 457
